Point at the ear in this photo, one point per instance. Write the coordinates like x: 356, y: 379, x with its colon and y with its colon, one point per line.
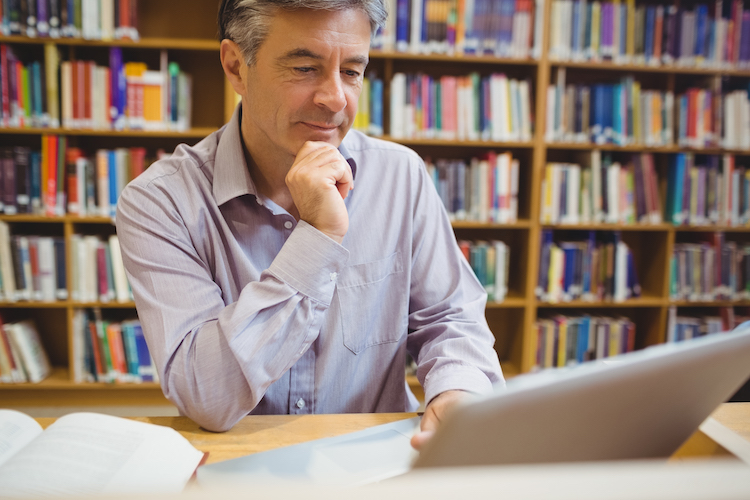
x: 233, y: 63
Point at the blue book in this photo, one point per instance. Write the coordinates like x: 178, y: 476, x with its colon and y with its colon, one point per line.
x: 633, y: 285
x: 131, y: 350
x: 682, y: 125
x: 118, y: 88
x: 679, y: 188
x: 35, y: 192
x: 701, y: 25
x: 587, y: 32
x: 113, y: 176
x: 576, y: 49
x: 504, y: 35
x: 583, y: 339
x: 145, y: 367
x: 608, y: 112
x: 648, y: 46
x: 402, y: 25
x: 617, y: 101
x: 376, y: 107
x: 544, y: 257
x: 570, y: 250
x: 38, y: 97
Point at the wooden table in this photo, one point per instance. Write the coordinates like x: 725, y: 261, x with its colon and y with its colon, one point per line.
x: 261, y: 433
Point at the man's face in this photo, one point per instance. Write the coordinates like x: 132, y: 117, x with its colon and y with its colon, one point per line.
x: 306, y: 80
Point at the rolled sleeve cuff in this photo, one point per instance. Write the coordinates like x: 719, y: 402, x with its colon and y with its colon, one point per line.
x: 460, y: 378
x: 310, y: 262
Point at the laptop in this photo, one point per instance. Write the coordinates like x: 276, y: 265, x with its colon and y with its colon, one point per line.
x: 638, y: 405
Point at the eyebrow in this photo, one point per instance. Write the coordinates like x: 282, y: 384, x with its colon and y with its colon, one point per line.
x: 308, y: 54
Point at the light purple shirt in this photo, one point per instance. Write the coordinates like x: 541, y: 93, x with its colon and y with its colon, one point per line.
x: 247, y: 310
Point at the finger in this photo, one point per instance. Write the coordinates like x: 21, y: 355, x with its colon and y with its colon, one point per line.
x: 419, y: 439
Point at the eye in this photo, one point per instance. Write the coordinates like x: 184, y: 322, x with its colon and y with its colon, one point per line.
x: 304, y: 69
x: 351, y: 73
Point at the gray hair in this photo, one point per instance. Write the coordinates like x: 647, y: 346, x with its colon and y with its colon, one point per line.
x: 246, y: 22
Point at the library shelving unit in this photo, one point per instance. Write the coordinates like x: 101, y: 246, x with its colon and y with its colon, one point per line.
x: 186, y: 28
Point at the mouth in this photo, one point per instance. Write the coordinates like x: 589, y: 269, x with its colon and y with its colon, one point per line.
x: 320, y: 127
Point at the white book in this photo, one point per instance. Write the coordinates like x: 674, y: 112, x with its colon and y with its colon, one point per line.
x: 75, y: 267
x: 499, y: 107
x: 613, y: 193
x: 415, y: 40
x: 621, y: 272
x: 121, y: 280
x: 107, y: 19
x: 24, y: 262
x: 473, y: 133
x: 502, y: 181
x: 6, y: 264
x: 525, y: 115
x: 47, y: 269
x: 554, y: 31
x: 596, y: 186
x: 89, y: 454
x: 88, y: 266
x: 501, y: 270
x: 18, y: 374
x: 398, y: 102
x: 551, y: 127
x: 66, y: 94
x: 557, y: 172
x: 24, y: 336
x: 514, y: 115
x: 79, y: 350
x: 574, y: 191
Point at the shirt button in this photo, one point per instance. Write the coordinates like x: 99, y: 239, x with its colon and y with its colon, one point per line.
x: 334, y: 276
x: 300, y: 403
x: 259, y: 201
x: 288, y: 225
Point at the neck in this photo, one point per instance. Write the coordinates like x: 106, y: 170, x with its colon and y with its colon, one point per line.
x: 268, y: 169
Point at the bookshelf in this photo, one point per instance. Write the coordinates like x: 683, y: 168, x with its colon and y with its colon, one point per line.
x: 186, y: 29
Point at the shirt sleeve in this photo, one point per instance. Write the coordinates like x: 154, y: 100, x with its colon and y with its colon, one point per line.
x: 448, y: 334
x: 216, y: 360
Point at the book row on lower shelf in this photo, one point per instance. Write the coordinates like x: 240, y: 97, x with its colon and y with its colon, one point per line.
x: 565, y: 341
x: 710, y: 270
x: 110, y: 351
x: 473, y: 107
x: 570, y: 340
x: 715, y: 35
x: 80, y: 94
x: 481, y: 190
x: 598, y: 268
x: 33, y: 269
x: 701, y: 190
x: 61, y: 179
x: 683, y: 327
x: 22, y: 355
x: 490, y: 261
x: 625, y: 114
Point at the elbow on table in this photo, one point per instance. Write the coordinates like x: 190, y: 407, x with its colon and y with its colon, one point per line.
x: 208, y: 413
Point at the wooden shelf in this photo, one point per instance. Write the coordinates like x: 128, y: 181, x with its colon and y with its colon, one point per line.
x: 609, y: 227
x: 643, y: 68
x: 60, y: 380
x: 143, y: 43
x: 713, y: 303
x: 643, y: 148
x: 458, y: 143
x: 457, y: 58
x: 509, y: 302
x: 460, y: 224
x: 62, y: 304
x: 199, y: 132
x: 639, y: 302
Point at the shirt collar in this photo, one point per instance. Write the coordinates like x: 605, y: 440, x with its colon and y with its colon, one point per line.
x: 231, y: 175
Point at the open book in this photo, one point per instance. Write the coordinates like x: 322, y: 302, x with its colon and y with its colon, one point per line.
x: 90, y: 453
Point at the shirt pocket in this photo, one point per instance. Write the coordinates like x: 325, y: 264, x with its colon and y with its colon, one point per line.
x: 369, y: 295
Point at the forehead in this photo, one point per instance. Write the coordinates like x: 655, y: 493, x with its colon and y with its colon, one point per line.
x: 318, y: 31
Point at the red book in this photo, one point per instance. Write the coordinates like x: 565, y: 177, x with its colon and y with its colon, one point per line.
x: 88, y: 73
x: 692, y: 115
x: 124, y: 26
x: 34, y: 261
x: 20, y: 94
x: 659, y: 26
x: 74, y: 201
x: 116, y: 348
x: 5, y: 84
x: 51, y: 199
x: 101, y: 272
x: 96, y: 347
x: 137, y: 161
x: 491, y: 183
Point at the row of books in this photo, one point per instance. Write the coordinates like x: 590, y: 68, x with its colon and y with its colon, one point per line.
x: 88, y: 19
x: 710, y: 270
x: 600, y: 268
x: 736, y: 120
x: 609, y: 113
x: 60, y: 179
x: 707, y: 190
x: 369, y: 117
x: 473, y: 107
x: 703, y: 35
x: 110, y: 351
x: 32, y: 268
x: 570, y: 340
x: 605, y: 192
x: 22, y: 355
x: 482, y: 190
x: 97, y: 273
x: 681, y: 327
x: 79, y: 94
x: 490, y: 261
x: 503, y: 28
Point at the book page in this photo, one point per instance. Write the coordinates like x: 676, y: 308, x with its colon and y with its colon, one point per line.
x: 16, y: 431
x: 87, y: 453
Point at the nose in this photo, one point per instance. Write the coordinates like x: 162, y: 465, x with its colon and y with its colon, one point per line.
x: 331, y: 93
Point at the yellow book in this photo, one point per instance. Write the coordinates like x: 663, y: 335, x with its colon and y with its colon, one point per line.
x: 153, y: 86
x: 460, y: 7
x: 52, y: 63
x: 615, y: 338
x: 562, y: 342
x: 656, y: 116
x: 630, y: 35
x: 547, y: 194
x: 596, y: 9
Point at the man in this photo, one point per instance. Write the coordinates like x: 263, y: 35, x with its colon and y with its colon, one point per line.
x: 285, y: 264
